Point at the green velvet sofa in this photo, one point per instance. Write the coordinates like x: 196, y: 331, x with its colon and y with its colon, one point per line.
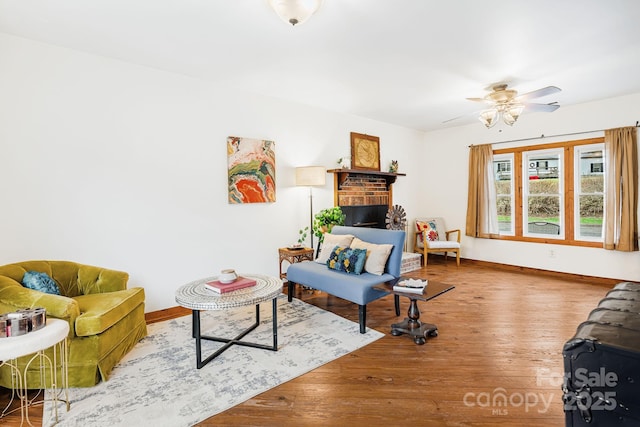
x: 105, y: 318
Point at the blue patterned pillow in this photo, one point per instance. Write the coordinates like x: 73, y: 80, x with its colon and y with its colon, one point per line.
x: 40, y: 282
x: 348, y: 260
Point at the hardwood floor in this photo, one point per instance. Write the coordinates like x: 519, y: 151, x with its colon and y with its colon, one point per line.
x: 501, y: 332
x: 501, y: 335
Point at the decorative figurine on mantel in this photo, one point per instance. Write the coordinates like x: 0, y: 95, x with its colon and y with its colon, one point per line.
x: 344, y: 162
x: 393, y: 167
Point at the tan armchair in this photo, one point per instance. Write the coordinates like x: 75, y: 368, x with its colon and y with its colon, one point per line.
x: 431, y: 236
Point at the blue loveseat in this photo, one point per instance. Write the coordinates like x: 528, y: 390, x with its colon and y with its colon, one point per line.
x: 357, y: 288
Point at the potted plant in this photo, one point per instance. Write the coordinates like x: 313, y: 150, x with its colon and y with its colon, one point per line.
x: 325, y: 220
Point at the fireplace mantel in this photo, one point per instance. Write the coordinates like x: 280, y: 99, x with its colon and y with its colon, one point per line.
x: 355, y: 187
x: 343, y: 174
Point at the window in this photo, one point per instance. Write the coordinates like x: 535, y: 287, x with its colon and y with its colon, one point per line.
x: 504, y: 192
x: 589, y: 187
x: 543, y: 194
x: 552, y: 192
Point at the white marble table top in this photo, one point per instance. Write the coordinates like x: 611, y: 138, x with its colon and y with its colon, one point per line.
x: 196, y: 296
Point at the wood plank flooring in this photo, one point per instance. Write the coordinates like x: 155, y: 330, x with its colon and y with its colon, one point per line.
x: 501, y: 335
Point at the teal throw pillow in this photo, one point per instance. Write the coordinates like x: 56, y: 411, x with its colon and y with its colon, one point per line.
x: 40, y: 282
x: 348, y: 260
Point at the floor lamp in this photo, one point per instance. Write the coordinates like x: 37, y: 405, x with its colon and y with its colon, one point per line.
x: 310, y: 176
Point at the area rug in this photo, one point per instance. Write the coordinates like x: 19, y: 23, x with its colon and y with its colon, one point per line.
x: 158, y: 384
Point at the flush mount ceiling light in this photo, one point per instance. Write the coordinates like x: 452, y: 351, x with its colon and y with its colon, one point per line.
x: 295, y: 11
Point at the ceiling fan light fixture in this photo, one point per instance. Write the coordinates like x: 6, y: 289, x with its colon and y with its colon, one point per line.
x: 489, y: 117
x: 508, y: 119
x: 512, y: 113
x: 506, y: 105
x: 295, y: 11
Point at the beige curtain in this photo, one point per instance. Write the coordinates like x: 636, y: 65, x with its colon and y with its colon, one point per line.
x: 482, y: 215
x: 621, y: 199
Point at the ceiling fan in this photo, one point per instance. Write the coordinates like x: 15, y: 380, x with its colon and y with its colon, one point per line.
x: 507, y: 104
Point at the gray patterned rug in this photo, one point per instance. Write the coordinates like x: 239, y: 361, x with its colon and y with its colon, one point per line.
x: 158, y: 384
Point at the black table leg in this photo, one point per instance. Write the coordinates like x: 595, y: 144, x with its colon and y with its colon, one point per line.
x: 413, y: 327
x: 195, y: 331
x: 197, y: 334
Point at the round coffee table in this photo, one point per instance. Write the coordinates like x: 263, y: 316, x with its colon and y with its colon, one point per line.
x: 53, y: 334
x: 197, y: 297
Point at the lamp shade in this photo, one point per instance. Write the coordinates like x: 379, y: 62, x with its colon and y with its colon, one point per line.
x: 311, y: 175
x: 295, y: 11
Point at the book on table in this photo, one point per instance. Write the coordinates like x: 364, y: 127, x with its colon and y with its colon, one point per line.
x: 413, y: 286
x: 221, y: 288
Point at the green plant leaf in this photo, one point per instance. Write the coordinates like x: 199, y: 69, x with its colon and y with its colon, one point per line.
x: 325, y: 220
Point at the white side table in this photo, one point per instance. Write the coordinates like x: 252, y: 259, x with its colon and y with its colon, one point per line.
x: 54, y: 335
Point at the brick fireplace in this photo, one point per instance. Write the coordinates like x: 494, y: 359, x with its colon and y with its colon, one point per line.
x: 364, y: 196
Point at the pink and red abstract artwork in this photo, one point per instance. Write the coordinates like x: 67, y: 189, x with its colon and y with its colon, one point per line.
x: 252, y: 170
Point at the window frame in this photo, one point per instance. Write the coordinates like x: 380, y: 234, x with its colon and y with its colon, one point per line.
x: 578, y: 190
x: 527, y: 159
x: 568, y: 202
x: 508, y: 158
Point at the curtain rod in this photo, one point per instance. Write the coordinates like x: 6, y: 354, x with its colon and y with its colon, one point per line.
x: 553, y: 136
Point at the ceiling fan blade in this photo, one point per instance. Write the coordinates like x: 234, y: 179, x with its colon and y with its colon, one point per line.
x: 544, y: 108
x: 455, y: 118
x: 460, y: 117
x: 477, y: 99
x: 538, y: 93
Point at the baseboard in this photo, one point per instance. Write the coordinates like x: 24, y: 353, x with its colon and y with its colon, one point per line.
x: 165, y: 314
x: 581, y: 278
x: 173, y: 312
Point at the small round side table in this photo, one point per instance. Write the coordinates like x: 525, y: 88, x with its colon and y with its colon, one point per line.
x: 54, y: 335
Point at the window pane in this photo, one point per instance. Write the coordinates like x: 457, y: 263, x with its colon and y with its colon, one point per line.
x: 543, y: 193
x: 502, y: 169
x: 591, y: 216
x: 504, y: 214
x: 590, y: 192
x: 544, y: 209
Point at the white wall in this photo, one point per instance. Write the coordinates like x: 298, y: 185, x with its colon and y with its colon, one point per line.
x: 111, y: 164
x: 448, y: 197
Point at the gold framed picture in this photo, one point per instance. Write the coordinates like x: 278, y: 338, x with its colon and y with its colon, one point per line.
x: 365, y: 152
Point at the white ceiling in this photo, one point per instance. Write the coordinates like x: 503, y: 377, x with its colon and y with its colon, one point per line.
x: 407, y: 62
